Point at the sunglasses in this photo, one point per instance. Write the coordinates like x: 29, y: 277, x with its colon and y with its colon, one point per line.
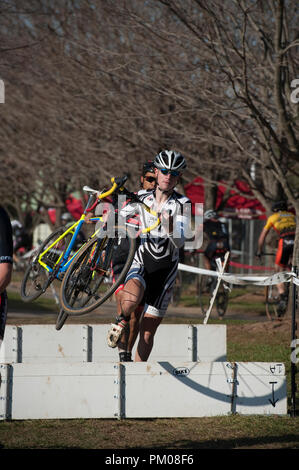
x: 165, y: 172
x: 150, y: 179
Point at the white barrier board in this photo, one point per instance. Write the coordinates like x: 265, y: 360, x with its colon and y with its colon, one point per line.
x: 261, y: 388
x: 62, y: 391
x: 43, y: 343
x: 141, y: 390
x: 170, y: 389
x: 88, y: 343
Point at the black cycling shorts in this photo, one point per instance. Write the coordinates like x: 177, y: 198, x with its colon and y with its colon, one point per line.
x: 158, y: 286
x: 217, y: 249
x: 284, y: 251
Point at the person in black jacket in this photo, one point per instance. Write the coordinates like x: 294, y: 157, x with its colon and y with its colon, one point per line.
x: 215, y: 238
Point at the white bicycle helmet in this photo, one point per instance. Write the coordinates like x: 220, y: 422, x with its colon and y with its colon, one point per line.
x: 210, y: 214
x: 66, y: 216
x: 16, y: 224
x: 170, y: 160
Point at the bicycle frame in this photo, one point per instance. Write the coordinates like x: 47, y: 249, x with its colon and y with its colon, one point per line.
x: 91, y: 265
x: 63, y: 261
x: 119, y: 189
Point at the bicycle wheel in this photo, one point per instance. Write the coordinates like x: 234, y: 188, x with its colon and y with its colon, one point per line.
x: 205, y: 287
x: 36, y: 278
x: 221, y: 300
x: 84, y: 288
x: 272, y: 301
x: 61, y: 319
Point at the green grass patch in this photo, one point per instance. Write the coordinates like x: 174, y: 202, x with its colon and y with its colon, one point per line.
x: 43, y: 303
x: 223, y: 432
x: 257, y: 352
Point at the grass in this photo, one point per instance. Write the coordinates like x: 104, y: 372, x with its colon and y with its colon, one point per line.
x: 225, y: 432
x: 43, y: 304
x: 236, y: 299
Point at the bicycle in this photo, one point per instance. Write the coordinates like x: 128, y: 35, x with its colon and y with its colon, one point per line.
x: 272, y: 299
x: 205, y: 288
x: 51, y: 260
x: 23, y: 257
x: 83, y: 288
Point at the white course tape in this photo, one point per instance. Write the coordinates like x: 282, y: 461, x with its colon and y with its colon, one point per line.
x: 220, y: 268
x: 243, y: 280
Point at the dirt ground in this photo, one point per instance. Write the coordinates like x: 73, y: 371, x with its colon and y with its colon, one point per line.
x: 247, y: 322
x: 256, y: 323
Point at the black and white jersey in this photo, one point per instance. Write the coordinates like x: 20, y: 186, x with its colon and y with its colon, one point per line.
x: 159, y: 249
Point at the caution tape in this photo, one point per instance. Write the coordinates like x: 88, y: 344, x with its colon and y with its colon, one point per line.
x: 220, y: 268
x: 248, y: 266
x: 276, y: 278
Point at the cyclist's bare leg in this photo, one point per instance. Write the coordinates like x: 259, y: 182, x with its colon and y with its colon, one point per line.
x: 129, y: 334
x: 134, y: 327
x: 148, y: 327
x: 283, y: 292
x: 280, y: 286
x: 131, y: 296
x: 206, y: 262
x: 122, y: 344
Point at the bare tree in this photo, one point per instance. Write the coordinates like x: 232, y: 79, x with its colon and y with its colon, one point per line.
x: 93, y: 92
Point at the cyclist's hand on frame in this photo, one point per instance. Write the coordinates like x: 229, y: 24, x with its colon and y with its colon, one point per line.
x: 88, y: 217
x: 166, y: 221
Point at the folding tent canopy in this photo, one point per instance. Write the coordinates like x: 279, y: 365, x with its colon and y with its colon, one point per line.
x: 240, y: 203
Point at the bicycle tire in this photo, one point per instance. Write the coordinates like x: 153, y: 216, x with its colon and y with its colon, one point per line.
x: 221, y: 301
x: 271, y: 300
x: 204, y: 289
x: 81, y: 273
x: 36, y: 273
x: 61, y: 319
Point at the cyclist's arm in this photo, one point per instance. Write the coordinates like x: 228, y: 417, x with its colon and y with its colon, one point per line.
x: 130, y: 208
x: 261, y: 240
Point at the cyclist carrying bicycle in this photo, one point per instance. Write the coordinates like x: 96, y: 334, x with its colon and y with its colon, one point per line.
x: 283, y: 222
x: 154, y: 267
x: 215, y: 238
x: 125, y: 345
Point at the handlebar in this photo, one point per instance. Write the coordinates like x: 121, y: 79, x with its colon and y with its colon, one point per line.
x: 118, y: 185
x: 135, y: 198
